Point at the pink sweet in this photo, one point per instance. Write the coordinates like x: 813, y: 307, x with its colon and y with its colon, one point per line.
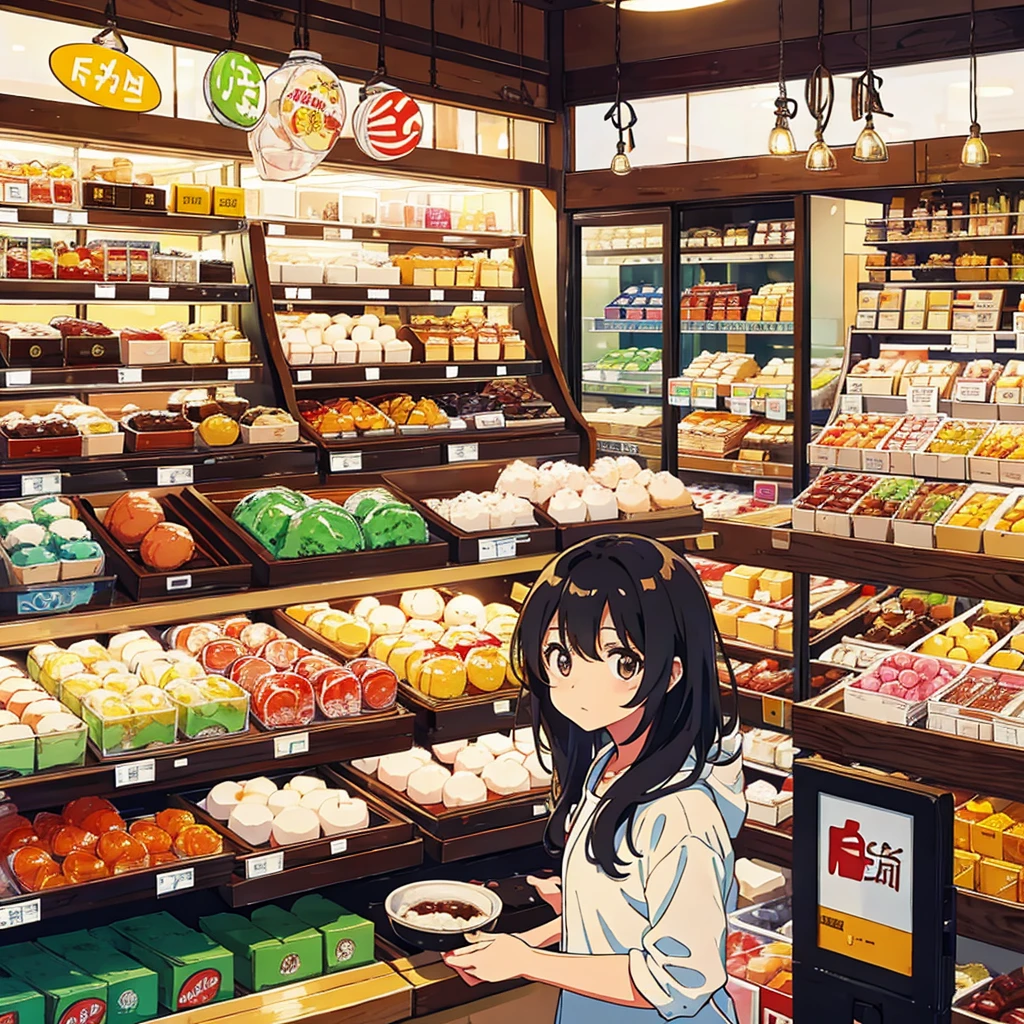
x: 909, y: 678
x: 887, y: 675
x: 891, y: 689
x: 920, y: 692
x: 870, y: 683
x: 927, y: 668
x: 903, y: 660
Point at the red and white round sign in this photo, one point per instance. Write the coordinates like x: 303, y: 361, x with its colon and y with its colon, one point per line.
x: 388, y: 125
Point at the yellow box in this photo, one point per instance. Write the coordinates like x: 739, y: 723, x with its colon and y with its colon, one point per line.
x: 741, y: 582
x: 784, y: 637
x: 999, y: 878
x: 728, y: 614
x: 755, y: 632
x: 228, y: 201
x: 778, y: 583
x: 196, y: 199
x: 965, y: 869
x: 987, y: 835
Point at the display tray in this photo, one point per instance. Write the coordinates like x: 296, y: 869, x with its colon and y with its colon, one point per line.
x: 449, y: 481
x: 29, y: 600
x: 216, y: 509
x: 47, y: 448
x: 216, y: 565
x: 387, y: 828
x: 437, y: 719
x: 670, y: 522
x: 502, y: 823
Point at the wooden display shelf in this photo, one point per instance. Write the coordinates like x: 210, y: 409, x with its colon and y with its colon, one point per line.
x: 89, y: 292
x: 990, y: 920
x: 393, y: 295
x: 62, y: 218
x: 764, y: 710
x: 765, y: 842
x: 734, y: 467
x: 334, y: 231
x: 379, y: 375
x: 199, y: 762
x: 63, y: 379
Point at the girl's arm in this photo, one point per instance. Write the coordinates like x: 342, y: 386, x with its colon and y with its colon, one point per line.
x: 543, y: 935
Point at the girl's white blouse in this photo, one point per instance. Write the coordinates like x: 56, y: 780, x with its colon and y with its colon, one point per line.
x: 668, y: 914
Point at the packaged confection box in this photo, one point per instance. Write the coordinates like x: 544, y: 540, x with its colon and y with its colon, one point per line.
x: 969, y: 539
x: 64, y: 987
x: 889, y: 708
x: 20, y: 1003
x: 348, y: 939
x: 1004, y: 543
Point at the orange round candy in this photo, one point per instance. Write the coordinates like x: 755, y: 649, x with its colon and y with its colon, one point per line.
x: 17, y: 838
x: 78, y: 810
x: 197, y: 841
x: 174, y: 819
x: 71, y: 838
x: 28, y: 862
x: 104, y: 821
x: 84, y: 867
x: 53, y: 882
x: 46, y: 823
x: 152, y: 836
x: 112, y: 846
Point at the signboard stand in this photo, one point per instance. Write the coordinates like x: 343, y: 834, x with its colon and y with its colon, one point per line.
x: 873, y: 905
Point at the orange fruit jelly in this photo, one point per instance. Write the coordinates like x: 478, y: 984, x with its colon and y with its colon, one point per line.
x: 174, y: 819
x: 17, y: 838
x: 152, y: 836
x: 104, y: 821
x: 197, y: 841
x: 78, y: 810
x: 71, y: 838
x: 115, y: 845
x: 29, y: 862
x: 84, y: 867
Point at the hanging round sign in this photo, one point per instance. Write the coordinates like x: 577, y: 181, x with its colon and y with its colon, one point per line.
x: 234, y: 89
x: 105, y: 76
x: 388, y: 124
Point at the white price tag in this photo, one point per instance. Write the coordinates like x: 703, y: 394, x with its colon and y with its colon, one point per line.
x: 970, y: 391
x: 337, y: 234
x: 503, y: 707
x: 479, y: 296
x: 80, y: 218
x: 176, y: 583
x: 490, y: 421
x: 1007, y: 396
x: 61, y: 216
x: 854, y: 386
x: 378, y: 293
x: 469, y: 452
x: 8, y: 215
x: 129, y: 375
x: 680, y: 400
x: 303, y: 376
x: 292, y: 745
x: 105, y: 291
x: 175, y: 881
x: 275, y: 229
x: 1011, y: 472
x: 875, y: 462
x: 851, y: 403
x: 346, y: 462
x: 490, y: 548
x: 181, y: 762
x: 18, y: 378
x: 705, y: 402
x: 175, y: 476
x: 159, y: 293
x: 740, y: 406
x: 971, y: 341
x: 304, y: 294
x: 501, y: 371
x: 238, y: 373
x: 291, y: 293
x: 338, y: 846
x: 41, y: 483
x: 451, y: 371
x: 775, y: 408
x: 437, y: 295
x: 922, y: 400
x: 135, y: 773
x: 1019, y: 341
x: 268, y: 864
x: 372, y: 373
x: 540, y: 810
x: 17, y: 914
x: 959, y: 342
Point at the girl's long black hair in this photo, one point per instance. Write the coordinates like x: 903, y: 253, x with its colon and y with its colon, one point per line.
x: 661, y: 611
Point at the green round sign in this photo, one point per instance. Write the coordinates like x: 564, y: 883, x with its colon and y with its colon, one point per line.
x: 234, y: 89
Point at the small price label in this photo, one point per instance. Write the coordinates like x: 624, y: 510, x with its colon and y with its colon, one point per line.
x: 292, y: 745
x: 338, y: 846
x: 176, y: 583
x: 372, y: 373
x: 469, y: 452
x: 80, y: 218
x: 682, y: 398
x: 159, y: 293
x: 437, y: 295
x: 41, y: 483
x: 268, y: 864
x: 304, y: 294
x: 175, y: 476
x: 61, y: 216
x: 169, y: 882
x: 490, y: 420
x: 775, y: 408
x: 129, y: 375
x: 970, y: 390
x: 1008, y: 396
x: 291, y: 293
x: 275, y: 229
x: 502, y: 707
x: 973, y: 341
x: 765, y: 490
x: 303, y: 376
x: 17, y: 914
x: 105, y: 291
x: 854, y: 387
x: 479, y: 296
x: 875, y: 462
x: 501, y: 371
x: 705, y: 401
x: 491, y: 548
x: 1011, y: 472
x: 346, y: 462
x: 851, y: 403
x: 18, y: 378
x: 922, y: 400
x: 740, y: 406
x: 8, y: 215
x: 1018, y: 340
x: 451, y: 371
x: 337, y: 234
x: 238, y: 373
x: 540, y: 810
x: 135, y: 773
x: 380, y: 294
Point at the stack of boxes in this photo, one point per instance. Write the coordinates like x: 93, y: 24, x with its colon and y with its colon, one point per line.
x: 774, y: 303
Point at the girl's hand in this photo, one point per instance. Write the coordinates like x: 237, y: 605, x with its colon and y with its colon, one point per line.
x: 491, y: 958
x: 549, y: 890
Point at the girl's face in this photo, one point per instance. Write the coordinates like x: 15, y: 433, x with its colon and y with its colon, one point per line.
x: 593, y: 694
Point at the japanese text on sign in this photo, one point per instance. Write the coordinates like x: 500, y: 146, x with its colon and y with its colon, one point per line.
x: 106, y: 77
x: 235, y: 90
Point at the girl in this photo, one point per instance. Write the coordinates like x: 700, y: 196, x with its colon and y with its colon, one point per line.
x: 617, y: 641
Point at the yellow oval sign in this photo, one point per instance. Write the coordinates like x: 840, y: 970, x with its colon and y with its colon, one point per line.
x: 105, y: 77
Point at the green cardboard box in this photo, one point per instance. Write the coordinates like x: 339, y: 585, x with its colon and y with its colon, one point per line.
x: 289, y: 930
x: 347, y: 937
x: 193, y: 970
x: 20, y: 1004
x: 262, y: 959
x: 70, y: 996
x: 132, y: 990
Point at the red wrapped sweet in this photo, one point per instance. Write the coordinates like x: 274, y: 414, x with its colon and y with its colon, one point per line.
x: 78, y: 810
x: 219, y: 655
x: 12, y: 821
x: 233, y: 627
x: 31, y: 865
x: 46, y: 823
x: 282, y: 653
x: 283, y: 699
x: 338, y: 692
x: 257, y: 634
x: 379, y: 683
x: 248, y: 671
x: 311, y: 664
x: 84, y: 867
x: 104, y: 821
x: 16, y: 838
x: 113, y: 846
x: 70, y: 838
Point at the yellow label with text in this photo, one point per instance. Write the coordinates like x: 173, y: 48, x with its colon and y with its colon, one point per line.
x: 191, y: 199
x: 867, y: 941
x: 105, y: 77
x: 228, y: 201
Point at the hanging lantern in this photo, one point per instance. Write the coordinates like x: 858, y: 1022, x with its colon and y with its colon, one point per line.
x: 388, y: 124
x: 233, y: 85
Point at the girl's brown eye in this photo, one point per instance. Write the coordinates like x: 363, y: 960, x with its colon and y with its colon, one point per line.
x: 558, y: 660
x: 627, y: 666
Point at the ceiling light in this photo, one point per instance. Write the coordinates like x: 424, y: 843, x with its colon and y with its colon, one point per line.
x: 975, y: 152
x: 780, y: 139
x: 870, y: 147
x: 820, y: 157
x: 621, y: 113
x: 820, y: 95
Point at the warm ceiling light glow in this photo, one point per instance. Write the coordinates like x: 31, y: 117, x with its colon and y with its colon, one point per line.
x: 660, y: 6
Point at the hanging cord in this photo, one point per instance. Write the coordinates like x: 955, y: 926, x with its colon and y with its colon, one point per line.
x: 301, y: 34
x: 784, y: 105
x: 110, y: 37
x: 433, y: 44
x: 111, y: 12
x: 508, y: 92
x: 820, y: 92
x: 865, y: 96
x: 974, y: 67
x: 382, y: 53
x: 624, y: 127
x: 233, y: 20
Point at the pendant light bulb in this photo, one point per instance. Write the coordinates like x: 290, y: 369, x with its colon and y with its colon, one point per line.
x: 975, y: 152
x: 820, y: 157
x: 620, y: 162
x: 781, y: 141
x: 870, y: 147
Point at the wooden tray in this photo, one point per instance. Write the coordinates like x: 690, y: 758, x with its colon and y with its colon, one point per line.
x: 386, y: 828
x: 216, y: 509
x: 503, y: 823
x: 40, y: 447
x: 157, y: 440
x: 216, y: 565
x: 667, y: 523
x: 449, y: 481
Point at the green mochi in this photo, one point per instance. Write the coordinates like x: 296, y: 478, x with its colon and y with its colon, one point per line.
x: 394, y: 525
x: 80, y: 551
x: 268, y: 519
x: 250, y: 506
x: 363, y: 501
x: 322, y: 529
x: 26, y: 556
